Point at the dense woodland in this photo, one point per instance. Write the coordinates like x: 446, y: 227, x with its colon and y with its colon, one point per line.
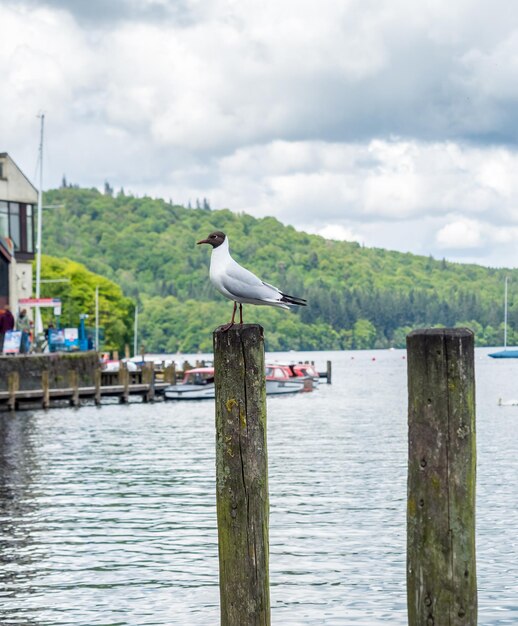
x: 358, y: 297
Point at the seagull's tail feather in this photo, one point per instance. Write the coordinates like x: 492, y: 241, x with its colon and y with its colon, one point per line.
x: 293, y: 300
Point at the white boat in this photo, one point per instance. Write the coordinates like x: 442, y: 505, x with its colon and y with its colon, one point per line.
x: 282, y: 379
x: 507, y: 402
x: 198, y: 383
x: 303, y: 370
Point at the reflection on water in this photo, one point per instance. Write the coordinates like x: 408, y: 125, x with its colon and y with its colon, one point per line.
x: 108, y: 515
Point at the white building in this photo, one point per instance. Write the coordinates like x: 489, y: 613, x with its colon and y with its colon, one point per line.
x: 18, y: 202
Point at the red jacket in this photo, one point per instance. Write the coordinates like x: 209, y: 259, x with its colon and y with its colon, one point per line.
x: 6, y: 321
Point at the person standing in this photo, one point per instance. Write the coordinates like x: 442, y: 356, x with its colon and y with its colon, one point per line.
x: 6, y: 324
x: 23, y: 323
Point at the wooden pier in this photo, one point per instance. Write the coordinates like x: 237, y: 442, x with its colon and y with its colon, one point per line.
x: 145, y: 383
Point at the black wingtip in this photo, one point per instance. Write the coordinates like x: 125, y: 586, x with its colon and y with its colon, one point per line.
x: 293, y: 300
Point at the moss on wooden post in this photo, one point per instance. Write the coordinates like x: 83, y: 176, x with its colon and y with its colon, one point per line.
x: 441, y: 565
x: 242, y: 476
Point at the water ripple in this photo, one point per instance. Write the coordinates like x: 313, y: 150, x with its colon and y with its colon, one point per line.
x: 107, y: 516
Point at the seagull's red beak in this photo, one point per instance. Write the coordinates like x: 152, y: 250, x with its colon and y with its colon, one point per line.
x: 203, y: 241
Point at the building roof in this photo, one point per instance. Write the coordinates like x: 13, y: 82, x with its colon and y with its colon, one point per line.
x: 22, y: 186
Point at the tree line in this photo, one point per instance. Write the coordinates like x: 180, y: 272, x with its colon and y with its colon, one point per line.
x: 358, y: 297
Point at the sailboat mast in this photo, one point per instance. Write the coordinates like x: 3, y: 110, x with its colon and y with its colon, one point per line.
x: 505, y: 313
x: 135, y: 332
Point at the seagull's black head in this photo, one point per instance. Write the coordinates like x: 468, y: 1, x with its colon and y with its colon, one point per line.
x: 215, y: 239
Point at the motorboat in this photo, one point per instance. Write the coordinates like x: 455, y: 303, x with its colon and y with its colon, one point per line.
x: 282, y: 379
x: 197, y: 384
x: 301, y: 370
x: 306, y: 369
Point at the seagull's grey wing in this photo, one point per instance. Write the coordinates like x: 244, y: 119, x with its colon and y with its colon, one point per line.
x: 243, y: 284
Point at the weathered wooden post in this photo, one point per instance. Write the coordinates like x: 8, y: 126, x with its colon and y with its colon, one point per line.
x: 97, y: 385
x: 242, y: 476
x: 124, y: 378
x: 170, y: 374
x: 148, y: 378
x: 441, y: 566
x: 45, y: 386
x: 73, y: 380
x: 13, y: 384
x: 329, y: 373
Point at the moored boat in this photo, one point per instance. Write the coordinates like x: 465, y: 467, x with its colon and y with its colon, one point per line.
x: 282, y: 379
x: 198, y: 383
x: 505, y: 353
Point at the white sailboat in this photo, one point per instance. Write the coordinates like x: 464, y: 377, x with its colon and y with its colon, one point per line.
x: 505, y: 353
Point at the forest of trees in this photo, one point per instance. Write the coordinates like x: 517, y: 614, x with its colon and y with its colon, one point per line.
x: 358, y: 297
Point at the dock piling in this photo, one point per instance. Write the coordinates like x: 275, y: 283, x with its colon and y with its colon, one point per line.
x: 13, y: 383
x: 329, y: 373
x: 441, y: 563
x: 148, y: 378
x: 73, y: 379
x: 97, y: 385
x: 124, y: 379
x: 170, y: 374
x: 45, y: 387
x: 242, y: 475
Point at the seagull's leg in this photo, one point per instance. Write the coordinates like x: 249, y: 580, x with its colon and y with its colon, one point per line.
x: 227, y: 326
x: 240, y: 313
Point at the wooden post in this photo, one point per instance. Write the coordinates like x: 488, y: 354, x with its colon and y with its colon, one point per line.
x: 97, y: 383
x: 170, y: 374
x: 13, y: 384
x: 73, y: 382
x: 441, y: 565
x: 148, y: 378
x: 242, y: 476
x: 124, y: 381
x: 45, y: 385
x: 329, y: 373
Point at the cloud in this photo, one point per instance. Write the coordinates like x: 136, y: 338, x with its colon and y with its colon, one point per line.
x: 370, y: 119
x: 460, y: 234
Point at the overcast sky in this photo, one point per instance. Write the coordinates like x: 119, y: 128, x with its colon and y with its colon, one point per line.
x: 390, y: 122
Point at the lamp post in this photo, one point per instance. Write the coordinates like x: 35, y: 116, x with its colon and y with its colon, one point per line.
x: 38, y: 324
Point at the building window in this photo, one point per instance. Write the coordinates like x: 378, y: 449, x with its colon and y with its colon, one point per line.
x: 17, y: 223
x: 4, y: 219
x: 29, y: 228
x: 14, y: 224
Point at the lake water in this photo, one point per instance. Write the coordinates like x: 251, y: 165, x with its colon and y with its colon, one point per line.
x: 108, y: 514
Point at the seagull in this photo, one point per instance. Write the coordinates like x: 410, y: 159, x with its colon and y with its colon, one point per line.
x: 238, y: 284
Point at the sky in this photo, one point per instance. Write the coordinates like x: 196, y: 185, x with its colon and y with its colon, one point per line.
x: 393, y: 123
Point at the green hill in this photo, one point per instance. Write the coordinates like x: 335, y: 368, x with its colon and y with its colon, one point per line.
x: 358, y: 297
